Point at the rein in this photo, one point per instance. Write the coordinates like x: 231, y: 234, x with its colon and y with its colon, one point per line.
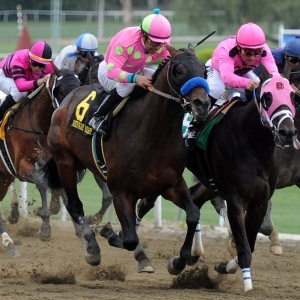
x: 191, y: 83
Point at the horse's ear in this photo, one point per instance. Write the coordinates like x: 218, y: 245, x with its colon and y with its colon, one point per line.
x: 57, y: 71
x: 90, y: 58
x: 191, y: 48
x: 172, y: 50
x: 264, y: 72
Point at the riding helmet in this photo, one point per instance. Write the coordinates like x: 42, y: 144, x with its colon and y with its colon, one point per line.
x: 157, y: 27
x: 40, y: 52
x: 250, y: 36
x: 292, y: 47
x: 87, y: 42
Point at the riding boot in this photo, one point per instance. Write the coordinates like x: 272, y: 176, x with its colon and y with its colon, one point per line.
x: 6, y: 105
x: 98, y: 122
x: 192, y: 133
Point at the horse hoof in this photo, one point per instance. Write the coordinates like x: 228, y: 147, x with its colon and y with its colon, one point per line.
x: 192, y: 261
x: 44, y: 233
x: 13, y: 220
x: 11, y: 250
x: 176, y: 266
x: 93, y: 259
x: 276, y: 250
x: 145, y: 266
x: 221, y: 268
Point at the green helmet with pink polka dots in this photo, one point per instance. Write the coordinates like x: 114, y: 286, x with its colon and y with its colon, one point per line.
x: 157, y: 27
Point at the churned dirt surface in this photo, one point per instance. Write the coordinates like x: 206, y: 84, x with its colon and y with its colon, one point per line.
x: 57, y: 269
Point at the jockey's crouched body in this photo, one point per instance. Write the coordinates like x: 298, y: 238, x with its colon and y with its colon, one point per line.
x: 123, y: 67
x: 23, y: 71
x: 232, y: 65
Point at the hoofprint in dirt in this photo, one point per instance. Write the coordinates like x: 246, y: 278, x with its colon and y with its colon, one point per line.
x: 56, y: 269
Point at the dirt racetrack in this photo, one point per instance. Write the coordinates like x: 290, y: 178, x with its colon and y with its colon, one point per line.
x: 57, y: 269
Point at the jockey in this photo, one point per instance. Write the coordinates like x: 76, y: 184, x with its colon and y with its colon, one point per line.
x: 74, y: 57
x: 124, y: 64
x: 23, y: 71
x: 232, y: 65
x: 289, y: 55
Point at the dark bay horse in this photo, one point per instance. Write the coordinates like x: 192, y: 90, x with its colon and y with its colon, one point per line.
x: 238, y: 163
x: 24, y: 140
x: 288, y: 161
x: 145, y: 154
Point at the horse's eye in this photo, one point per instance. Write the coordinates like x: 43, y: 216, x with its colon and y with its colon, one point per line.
x: 266, y: 100
x: 179, y: 71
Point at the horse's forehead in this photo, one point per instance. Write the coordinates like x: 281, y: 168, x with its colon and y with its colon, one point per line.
x: 281, y: 90
x: 191, y: 62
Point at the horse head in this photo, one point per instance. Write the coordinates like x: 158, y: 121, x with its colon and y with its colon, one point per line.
x: 64, y: 83
x: 186, y: 79
x: 277, y: 103
x: 89, y: 74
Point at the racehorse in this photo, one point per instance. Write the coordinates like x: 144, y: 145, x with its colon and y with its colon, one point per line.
x: 87, y: 77
x: 23, y: 141
x: 236, y: 161
x: 288, y: 161
x: 145, y: 153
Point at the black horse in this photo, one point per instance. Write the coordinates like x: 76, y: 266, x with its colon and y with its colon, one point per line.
x: 145, y: 154
x: 237, y: 162
x: 288, y: 161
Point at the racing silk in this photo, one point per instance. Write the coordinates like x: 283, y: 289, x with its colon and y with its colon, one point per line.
x: 68, y: 58
x: 227, y: 61
x: 126, y: 55
x: 278, y: 54
x: 17, y: 66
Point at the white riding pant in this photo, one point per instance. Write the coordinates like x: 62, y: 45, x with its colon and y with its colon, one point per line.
x: 123, y: 89
x: 8, y: 86
x: 216, y: 85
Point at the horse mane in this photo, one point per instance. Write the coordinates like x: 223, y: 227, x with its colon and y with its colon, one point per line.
x: 138, y: 91
x: 159, y: 68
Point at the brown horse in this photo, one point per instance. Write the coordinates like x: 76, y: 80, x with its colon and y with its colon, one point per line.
x: 145, y: 154
x: 24, y: 140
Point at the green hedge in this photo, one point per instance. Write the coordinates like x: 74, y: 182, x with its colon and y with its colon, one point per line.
x: 205, y: 54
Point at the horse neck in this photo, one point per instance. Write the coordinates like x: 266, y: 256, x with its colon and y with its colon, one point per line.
x: 39, y: 110
x: 259, y: 137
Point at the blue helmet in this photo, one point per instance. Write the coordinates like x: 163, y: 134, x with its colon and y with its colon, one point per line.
x: 292, y: 47
x: 87, y: 42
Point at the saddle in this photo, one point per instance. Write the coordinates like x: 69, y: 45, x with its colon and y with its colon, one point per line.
x: 214, y: 117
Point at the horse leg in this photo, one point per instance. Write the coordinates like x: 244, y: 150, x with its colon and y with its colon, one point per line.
x: 220, y: 206
x: 44, y: 232
x: 7, y: 242
x: 244, y: 230
x: 125, y: 210
x: 267, y: 228
x: 67, y: 174
x: 54, y: 206
x: 180, y: 195
x: 275, y: 245
x: 106, y: 202
x: 14, y: 215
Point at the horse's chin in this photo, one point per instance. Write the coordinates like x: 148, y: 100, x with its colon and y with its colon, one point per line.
x: 200, y: 115
x: 284, y: 144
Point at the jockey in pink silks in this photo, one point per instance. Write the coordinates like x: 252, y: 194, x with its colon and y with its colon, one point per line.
x: 231, y: 66
x: 125, y: 61
x: 23, y: 71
